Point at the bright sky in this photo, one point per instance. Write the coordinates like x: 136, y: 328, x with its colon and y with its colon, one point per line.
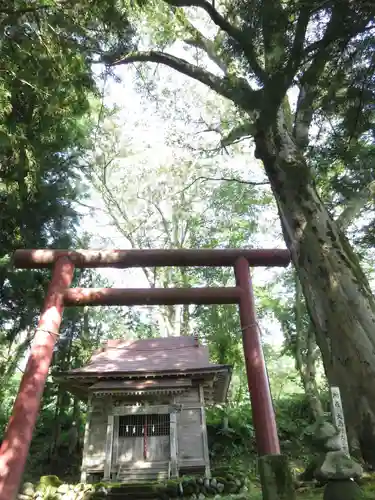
x: 147, y: 125
x: 148, y: 133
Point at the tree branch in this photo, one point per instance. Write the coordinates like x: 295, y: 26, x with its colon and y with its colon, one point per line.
x: 316, y: 46
x: 235, y: 89
x: 335, y: 39
x: 109, y: 198
x: 236, y: 134
x: 281, y: 68
x: 296, y: 54
x: 163, y: 219
x: 198, y: 40
x: 202, y: 178
x: 274, y: 22
x: 309, y: 80
x: 209, y: 48
x: 355, y: 205
x: 238, y: 35
x: 244, y: 130
x: 303, y: 116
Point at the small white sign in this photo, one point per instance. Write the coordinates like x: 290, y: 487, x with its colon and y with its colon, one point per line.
x: 338, y: 417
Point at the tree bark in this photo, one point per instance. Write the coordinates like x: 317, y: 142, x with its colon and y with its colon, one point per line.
x: 306, y: 356
x: 307, y: 370
x: 337, y: 293
x: 309, y: 378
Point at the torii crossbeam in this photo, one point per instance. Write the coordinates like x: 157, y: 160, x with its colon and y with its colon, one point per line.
x: 16, y: 443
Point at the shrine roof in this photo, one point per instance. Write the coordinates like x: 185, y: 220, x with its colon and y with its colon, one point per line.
x: 140, y: 367
x: 164, y: 354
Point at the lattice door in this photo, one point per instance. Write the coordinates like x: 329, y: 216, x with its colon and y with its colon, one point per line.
x: 144, y: 437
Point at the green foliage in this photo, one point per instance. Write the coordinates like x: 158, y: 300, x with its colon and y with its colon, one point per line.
x: 276, y: 477
x: 47, y: 94
x: 253, y: 491
x: 293, y: 415
x: 44, y: 125
x: 165, y: 205
x: 235, y: 444
x: 48, y: 101
x: 51, y: 488
x: 46, y: 481
x: 256, y: 55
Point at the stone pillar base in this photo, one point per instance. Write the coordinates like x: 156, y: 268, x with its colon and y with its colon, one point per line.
x: 276, y: 478
x: 342, y: 489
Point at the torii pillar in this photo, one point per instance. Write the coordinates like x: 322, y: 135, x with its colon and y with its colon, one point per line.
x: 16, y: 442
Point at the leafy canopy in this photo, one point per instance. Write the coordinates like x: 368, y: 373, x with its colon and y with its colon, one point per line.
x: 256, y: 53
x: 47, y: 91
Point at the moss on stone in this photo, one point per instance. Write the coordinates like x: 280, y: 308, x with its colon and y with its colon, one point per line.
x: 50, y: 481
x: 28, y: 489
x: 313, y: 465
x: 184, y: 487
x: 222, y: 480
x: 172, y: 488
x: 189, y: 486
x: 116, y: 486
x: 145, y: 490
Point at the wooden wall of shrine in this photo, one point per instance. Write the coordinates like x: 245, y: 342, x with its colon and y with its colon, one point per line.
x: 138, y: 438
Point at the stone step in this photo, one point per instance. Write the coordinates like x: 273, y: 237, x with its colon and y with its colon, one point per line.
x: 143, y: 465
x: 134, y: 477
x: 138, y: 474
x: 121, y: 472
x: 134, y: 474
x: 142, y: 471
x: 127, y: 491
x: 139, y: 478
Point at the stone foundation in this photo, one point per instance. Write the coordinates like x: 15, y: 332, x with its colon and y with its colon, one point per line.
x: 192, y: 488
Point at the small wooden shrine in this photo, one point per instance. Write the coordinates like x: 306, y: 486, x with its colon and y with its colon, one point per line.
x: 146, y: 400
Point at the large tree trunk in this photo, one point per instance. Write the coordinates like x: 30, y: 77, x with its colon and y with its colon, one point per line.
x: 337, y: 293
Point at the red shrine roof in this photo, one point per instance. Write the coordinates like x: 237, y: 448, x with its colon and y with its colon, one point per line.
x: 163, y: 364
x: 149, y: 355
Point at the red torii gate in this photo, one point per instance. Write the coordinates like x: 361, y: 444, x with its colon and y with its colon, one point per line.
x: 16, y: 443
